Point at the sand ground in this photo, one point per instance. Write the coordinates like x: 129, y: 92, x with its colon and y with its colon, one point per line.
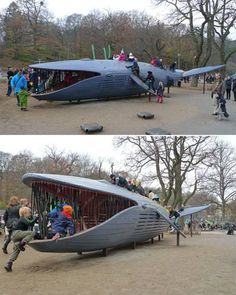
x: 186, y: 111
x: 204, y: 264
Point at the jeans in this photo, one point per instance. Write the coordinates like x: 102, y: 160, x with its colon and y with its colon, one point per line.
x: 9, y: 90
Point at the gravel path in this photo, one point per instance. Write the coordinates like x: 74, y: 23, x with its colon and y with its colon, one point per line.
x: 186, y: 111
x: 204, y: 264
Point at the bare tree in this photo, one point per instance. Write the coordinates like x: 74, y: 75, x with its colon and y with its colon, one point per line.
x: 168, y: 160
x: 223, y: 23
x: 4, y: 162
x: 37, y: 15
x: 210, y: 22
x: 59, y: 161
x: 186, y: 12
x: 220, y: 180
x: 13, y: 29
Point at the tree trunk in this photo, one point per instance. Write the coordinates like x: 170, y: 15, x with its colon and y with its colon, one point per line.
x: 194, y: 82
x: 223, y: 211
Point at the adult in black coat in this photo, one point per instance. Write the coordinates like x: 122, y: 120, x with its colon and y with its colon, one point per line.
x: 10, y: 217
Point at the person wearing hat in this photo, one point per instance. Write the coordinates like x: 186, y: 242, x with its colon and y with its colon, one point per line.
x: 151, y: 80
x: 122, y: 56
x: 63, y: 221
x: 131, y: 57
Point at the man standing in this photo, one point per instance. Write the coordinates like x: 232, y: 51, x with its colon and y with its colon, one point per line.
x: 234, y: 88
x: 18, y: 82
x: 10, y: 75
x: 217, y: 92
x: 228, y: 86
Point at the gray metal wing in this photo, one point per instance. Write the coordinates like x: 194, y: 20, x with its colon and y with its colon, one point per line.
x: 192, y: 210
x: 202, y: 70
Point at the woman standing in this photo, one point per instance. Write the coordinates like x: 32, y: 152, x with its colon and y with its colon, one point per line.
x: 10, y: 217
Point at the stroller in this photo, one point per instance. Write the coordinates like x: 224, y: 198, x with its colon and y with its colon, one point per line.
x: 222, y: 108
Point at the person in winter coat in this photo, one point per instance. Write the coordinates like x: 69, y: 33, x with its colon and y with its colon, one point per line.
x: 135, y: 68
x: 160, y: 92
x: 234, y: 88
x: 217, y: 92
x: 17, y: 83
x: 21, y: 235
x: 175, y: 214
x: 62, y: 222
x: 119, y: 180
x: 228, y: 87
x: 151, y: 80
x: 122, y: 56
x: 10, y: 217
x: 10, y: 75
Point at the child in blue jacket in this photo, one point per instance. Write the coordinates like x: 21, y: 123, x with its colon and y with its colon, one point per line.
x: 63, y: 222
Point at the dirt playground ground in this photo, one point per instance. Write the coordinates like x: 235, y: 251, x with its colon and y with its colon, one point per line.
x: 186, y: 111
x: 204, y: 264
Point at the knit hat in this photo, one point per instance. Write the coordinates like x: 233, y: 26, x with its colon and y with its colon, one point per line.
x: 68, y: 209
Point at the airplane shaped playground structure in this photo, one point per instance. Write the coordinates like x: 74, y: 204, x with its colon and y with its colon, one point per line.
x: 105, y: 215
x: 99, y: 79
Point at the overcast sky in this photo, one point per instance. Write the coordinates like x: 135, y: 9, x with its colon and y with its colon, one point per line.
x: 62, y: 8
x: 95, y: 146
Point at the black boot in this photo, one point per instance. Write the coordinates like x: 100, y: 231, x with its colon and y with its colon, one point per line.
x: 226, y: 115
x: 18, y: 100
x: 4, y: 250
x: 22, y: 245
x: 8, y: 266
x: 5, y: 244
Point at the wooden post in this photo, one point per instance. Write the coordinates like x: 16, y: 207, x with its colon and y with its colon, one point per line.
x: 159, y: 237
x: 162, y: 235
x: 204, y: 84
x: 134, y: 245
x: 152, y: 240
x: 104, y: 252
x: 191, y: 227
x: 178, y: 238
